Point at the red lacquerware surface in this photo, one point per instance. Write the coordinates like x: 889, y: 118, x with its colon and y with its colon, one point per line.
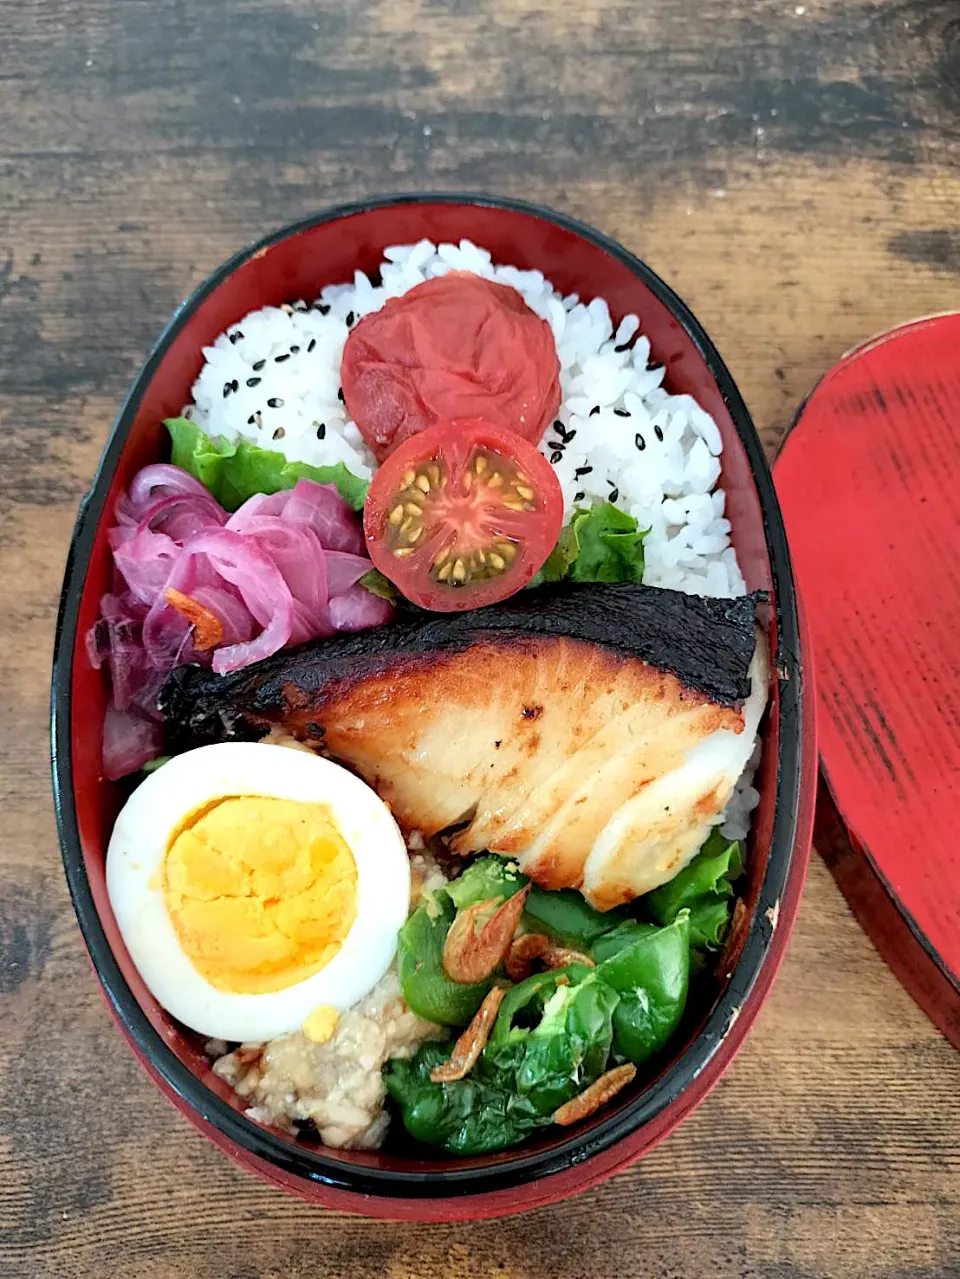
x: 869, y: 480
x: 298, y: 262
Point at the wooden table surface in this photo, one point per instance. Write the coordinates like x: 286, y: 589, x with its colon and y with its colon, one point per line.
x: 792, y: 169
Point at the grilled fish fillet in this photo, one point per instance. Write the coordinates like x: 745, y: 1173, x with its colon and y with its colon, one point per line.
x: 593, y: 732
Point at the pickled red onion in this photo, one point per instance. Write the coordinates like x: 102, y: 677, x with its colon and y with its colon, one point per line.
x: 283, y: 569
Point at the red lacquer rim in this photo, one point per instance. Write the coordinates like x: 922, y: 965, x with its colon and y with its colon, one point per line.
x: 527, y: 1178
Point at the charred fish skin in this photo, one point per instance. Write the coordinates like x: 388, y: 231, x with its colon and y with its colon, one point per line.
x: 593, y: 733
x: 707, y: 643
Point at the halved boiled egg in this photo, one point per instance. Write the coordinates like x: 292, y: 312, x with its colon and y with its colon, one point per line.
x: 254, y: 884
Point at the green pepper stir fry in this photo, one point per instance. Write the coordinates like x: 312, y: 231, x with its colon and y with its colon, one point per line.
x: 558, y: 1031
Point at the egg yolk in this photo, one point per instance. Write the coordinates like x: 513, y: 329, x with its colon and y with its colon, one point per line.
x: 261, y: 891
x: 321, y: 1024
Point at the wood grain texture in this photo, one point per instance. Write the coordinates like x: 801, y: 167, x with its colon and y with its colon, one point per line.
x: 792, y: 168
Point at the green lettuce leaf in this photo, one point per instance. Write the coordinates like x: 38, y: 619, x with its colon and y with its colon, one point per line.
x: 705, y: 888
x: 234, y: 472
x: 375, y: 582
x: 600, y: 544
x: 558, y: 562
x: 152, y: 765
x: 610, y: 546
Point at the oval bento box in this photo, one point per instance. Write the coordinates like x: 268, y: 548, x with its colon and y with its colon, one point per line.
x: 299, y: 261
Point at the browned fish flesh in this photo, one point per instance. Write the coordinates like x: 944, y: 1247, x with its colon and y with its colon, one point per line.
x: 595, y: 733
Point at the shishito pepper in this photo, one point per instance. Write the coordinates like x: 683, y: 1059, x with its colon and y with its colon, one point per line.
x: 650, y: 970
x: 426, y: 987
x: 620, y: 938
x: 525, y: 1071
x: 556, y: 1032
x: 568, y: 1046
x: 565, y: 914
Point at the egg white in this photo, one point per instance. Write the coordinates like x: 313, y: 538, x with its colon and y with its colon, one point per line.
x: 135, y: 858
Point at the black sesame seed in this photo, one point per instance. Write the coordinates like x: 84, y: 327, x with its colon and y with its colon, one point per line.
x: 625, y: 346
x: 555, y: 457
x: 279, y: 359
x: 227, y: 388
x: 254, y: 381
x: 300, y: 306
x: 556, y: 444
x: 232, y: 338
x: 313, y: 343
x: 274, y: 403
x: 259, y: 365
x: 235, y: 385
x: 578, y: 497
x: 558, y: 427
x: 279, y: 433
x: 595, y: 410
x: 321, y: 430
x: 322, y: 307
x: 340, y: 396
x: 640, y: 442
x: 614, y: 494
x: 294, y: 350
x: 250, y: 420
x: 658, y: 433
x: 622, y: 412
x: 350, y: 319
x: 582, y: 470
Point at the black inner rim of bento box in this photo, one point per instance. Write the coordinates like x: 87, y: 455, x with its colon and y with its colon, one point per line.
x: 522, y: 1167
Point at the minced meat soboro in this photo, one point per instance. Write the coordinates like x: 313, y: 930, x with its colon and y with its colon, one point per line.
x: 457, y: 346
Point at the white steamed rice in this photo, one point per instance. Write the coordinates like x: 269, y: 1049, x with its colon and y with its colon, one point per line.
x: 285, y: 366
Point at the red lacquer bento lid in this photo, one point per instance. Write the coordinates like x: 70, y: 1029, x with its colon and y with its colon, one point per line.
x: 869, y: 483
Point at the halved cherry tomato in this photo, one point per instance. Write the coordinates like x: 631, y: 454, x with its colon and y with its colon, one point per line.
x: 457, y: 346
x: 462, y: 515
